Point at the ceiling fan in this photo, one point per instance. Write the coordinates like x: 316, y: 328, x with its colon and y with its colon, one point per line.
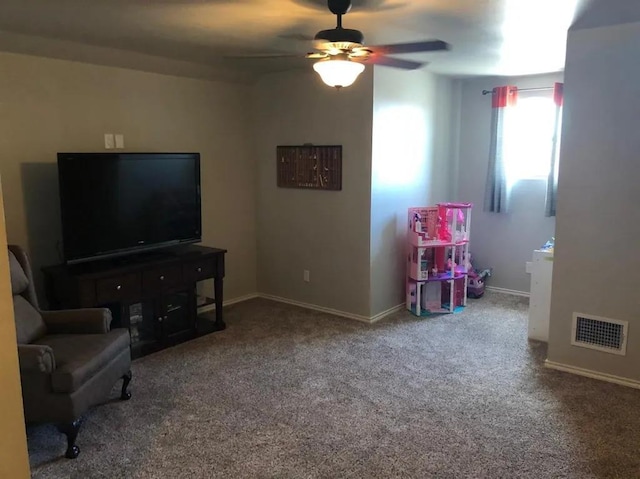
x: 341, y: 52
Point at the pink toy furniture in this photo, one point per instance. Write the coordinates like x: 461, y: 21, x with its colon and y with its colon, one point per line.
x: 437, y: 245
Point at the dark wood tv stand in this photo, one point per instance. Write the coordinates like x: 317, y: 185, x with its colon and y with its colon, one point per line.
x: 153, y: 295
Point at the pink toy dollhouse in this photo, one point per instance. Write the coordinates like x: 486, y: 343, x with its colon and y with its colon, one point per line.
x: 438, y: 243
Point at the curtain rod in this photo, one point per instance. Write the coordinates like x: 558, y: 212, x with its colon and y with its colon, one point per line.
x: 490, y: 92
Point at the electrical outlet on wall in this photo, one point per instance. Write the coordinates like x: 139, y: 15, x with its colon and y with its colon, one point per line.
x: 306, y: 276
x: 119, y: 140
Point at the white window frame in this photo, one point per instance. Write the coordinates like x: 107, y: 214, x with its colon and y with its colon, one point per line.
x: 527, y: 133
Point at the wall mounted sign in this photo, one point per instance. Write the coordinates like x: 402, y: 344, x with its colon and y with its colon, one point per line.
x: 317, y: 167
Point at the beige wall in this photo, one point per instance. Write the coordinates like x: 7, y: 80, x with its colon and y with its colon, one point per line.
x: 504, y: 242
x: 14, y: 462
x: 598, y: 221
x: 82, y: 52
x: 411, y: 167
x: 325, y: 232
x: 47, y: 106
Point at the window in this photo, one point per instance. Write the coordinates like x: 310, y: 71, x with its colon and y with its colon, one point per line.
x: 528, y: 140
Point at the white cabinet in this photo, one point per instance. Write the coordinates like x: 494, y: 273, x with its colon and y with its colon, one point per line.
x: 540, y: 301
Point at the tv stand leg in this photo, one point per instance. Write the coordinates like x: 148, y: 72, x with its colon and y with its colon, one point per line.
x: 219, y: 324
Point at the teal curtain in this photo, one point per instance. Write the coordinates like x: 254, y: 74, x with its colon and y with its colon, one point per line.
x: 496, y: 195
x: 552, y: 180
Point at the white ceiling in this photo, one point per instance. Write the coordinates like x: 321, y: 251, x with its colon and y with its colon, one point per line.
x: 488, y: 37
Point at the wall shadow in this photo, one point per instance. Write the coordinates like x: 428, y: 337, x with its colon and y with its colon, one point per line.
x: 42, y: 218
x: 386, y: 277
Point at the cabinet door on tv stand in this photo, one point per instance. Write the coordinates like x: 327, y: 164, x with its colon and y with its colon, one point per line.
x: 144, y: 327
x: 175, y: 312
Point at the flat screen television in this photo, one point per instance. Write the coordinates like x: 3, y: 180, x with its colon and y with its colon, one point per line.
x: 115, y: 204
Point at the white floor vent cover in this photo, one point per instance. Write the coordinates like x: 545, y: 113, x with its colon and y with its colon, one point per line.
x: 603, y: 334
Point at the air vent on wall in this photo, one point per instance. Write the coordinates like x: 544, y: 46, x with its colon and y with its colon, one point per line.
x: 603, y: 334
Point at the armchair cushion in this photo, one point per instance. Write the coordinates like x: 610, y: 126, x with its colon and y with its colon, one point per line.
x: 19, y: 280
x: 80, y: 356
x: 78, y: 321
x: 29, y: 323
x: 35, y: 358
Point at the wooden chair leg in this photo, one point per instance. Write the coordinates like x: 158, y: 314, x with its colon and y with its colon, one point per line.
x: 126, y: 379
x: 70, y: 430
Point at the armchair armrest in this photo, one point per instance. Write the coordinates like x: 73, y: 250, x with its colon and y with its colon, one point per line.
x: 78, y: 321
x: 36, y: 358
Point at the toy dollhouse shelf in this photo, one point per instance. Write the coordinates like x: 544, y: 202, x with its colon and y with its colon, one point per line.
x: 445, y: 277
x: 430, y: 312
x: 420, y: 242
x: 438, y: 258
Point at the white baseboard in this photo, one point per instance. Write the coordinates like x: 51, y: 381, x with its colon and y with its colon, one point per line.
x: 314, y: 307
x: 335, y: 312
x: 512, y: 292
x: 229, y: 302
x: 386, y: 313
x: 610, y: 378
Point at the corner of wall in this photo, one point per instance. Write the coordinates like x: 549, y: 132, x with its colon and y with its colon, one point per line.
x: 14, y: 461
x: 410, y: 167
x: 324, y: 232
x: 456, y: 109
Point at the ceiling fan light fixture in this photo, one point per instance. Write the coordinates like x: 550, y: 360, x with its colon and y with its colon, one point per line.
x: 338, y: 72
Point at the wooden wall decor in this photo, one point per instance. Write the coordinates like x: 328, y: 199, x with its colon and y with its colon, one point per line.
x: 316, y: 167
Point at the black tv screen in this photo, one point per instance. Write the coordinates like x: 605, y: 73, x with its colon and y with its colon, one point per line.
x: 114, y: 204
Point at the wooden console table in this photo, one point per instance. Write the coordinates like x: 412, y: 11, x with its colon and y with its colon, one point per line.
x: 154, y: 295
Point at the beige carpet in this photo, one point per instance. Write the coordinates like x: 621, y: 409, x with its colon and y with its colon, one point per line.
x: 289, y: 393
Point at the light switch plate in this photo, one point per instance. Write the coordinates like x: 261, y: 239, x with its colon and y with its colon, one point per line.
x: 109, y: 143
x: 119, y: 140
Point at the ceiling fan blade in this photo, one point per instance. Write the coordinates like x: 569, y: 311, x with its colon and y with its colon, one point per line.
x: 377, y: 59
x: 415, y: 47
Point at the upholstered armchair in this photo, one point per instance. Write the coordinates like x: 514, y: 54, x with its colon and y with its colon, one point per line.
x: 69, y: 360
